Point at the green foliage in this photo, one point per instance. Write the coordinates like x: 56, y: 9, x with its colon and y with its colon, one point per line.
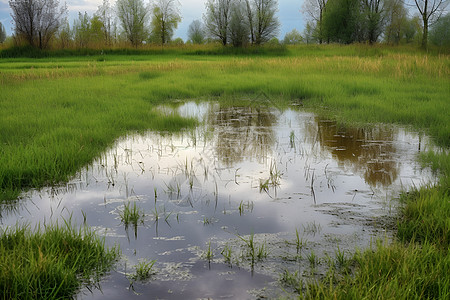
x: 293, y: 38
x: 341, y: 21
x: 165, y: 19
x: 196, y: 32
x: 440, y: 33
x: 133, y: 16
x: 48, y: 264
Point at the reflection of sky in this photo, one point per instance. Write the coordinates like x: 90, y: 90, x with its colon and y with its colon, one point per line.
x: 289, y: 13
x: 225, y: 198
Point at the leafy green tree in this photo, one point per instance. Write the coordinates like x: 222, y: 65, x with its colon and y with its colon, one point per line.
x: 196, y: 32
x: 165, y: 18
x: 2, y: 33
x: 310, y: 33
x: 373, y: 15
x: 81, y: 28
x: 341, y: 21
x: 133, y: 16
x: 37, y: 21
x: 64, y: 35
x: 440, y: 32
x: 293, y: 38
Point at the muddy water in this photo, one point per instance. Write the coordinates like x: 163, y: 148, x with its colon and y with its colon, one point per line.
x: 295, y: 185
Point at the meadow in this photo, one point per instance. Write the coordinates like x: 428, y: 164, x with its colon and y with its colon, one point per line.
x: 60, y: 112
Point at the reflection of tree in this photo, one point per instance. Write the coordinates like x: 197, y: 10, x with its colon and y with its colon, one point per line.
x: 242, y: 132
x: 368, y: 151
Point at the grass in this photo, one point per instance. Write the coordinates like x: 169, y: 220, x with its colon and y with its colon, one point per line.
x: 60, y: 112
x: 143, y: 270
x: 131, y: 214
x: 50, y: 262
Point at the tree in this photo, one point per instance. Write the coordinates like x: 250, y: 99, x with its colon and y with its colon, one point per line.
x: 81, y: 28
x: 293, y: 38
x: 106, y: 16
x: 2, y: 33
x: 315, y: 10
x: 341, y: 21
x: 133, y: 16
x: 37, y: 21
x: 239, y: 29
x: 373, y: 15
x: 266, y: 24
x: 309, y: 33
x: 165, y: 19
x: 440, y: 32
x: 250, y: 20
x: 64, y: 35
x: 217, y: 18
x: 196, y: 32
x: 430, y: 11
x: 396, y: 17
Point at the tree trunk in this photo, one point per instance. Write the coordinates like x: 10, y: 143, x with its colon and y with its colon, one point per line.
x: 425, y: 31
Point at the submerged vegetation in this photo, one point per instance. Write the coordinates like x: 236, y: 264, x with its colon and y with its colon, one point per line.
x: 59, y: 113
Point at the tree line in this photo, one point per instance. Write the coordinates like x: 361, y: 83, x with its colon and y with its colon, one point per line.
x: 371, y: 21
x: 44, y: 23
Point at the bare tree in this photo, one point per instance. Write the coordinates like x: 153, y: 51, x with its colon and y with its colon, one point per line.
x: 266, y: 22
x: 133, y: 16
x: 430, y: 11
x: 37, y: 21
x: 315, y: 10
x: 217, y: 18
x: 165, y: 19
x: 250, y: 19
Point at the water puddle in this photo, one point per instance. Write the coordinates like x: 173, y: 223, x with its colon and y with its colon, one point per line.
x: 226, y: 207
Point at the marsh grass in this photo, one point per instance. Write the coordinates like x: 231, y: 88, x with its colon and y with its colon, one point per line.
x: 49, y: 261
x: 143, y: 270
x: 132, y: 214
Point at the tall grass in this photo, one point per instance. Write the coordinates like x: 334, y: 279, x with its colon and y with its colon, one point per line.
x: 50, y: 262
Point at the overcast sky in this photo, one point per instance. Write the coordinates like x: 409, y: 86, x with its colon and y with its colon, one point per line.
x: 289, y: 13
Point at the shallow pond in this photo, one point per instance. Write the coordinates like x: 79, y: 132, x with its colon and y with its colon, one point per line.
x: 226, y: 207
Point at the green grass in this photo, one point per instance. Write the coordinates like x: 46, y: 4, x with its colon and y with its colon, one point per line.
x: 58, y: 113
x: 50, y: 262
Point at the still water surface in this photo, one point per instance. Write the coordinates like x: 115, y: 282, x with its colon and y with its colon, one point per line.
x: 244, y: 173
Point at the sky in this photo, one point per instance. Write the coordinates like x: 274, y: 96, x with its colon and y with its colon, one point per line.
x: 289, y: 14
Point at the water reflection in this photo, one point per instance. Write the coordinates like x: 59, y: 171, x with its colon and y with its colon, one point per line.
x: 204, y: 188
x: 242, y: 132
x: 369, y: 151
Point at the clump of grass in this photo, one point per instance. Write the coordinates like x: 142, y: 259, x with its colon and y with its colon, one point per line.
x: 48, y: 264
x: 132, y: 214
x: 252, y: 251
x: 143, y: 270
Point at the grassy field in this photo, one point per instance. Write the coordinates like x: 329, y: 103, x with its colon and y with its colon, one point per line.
x: 60, y: 112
